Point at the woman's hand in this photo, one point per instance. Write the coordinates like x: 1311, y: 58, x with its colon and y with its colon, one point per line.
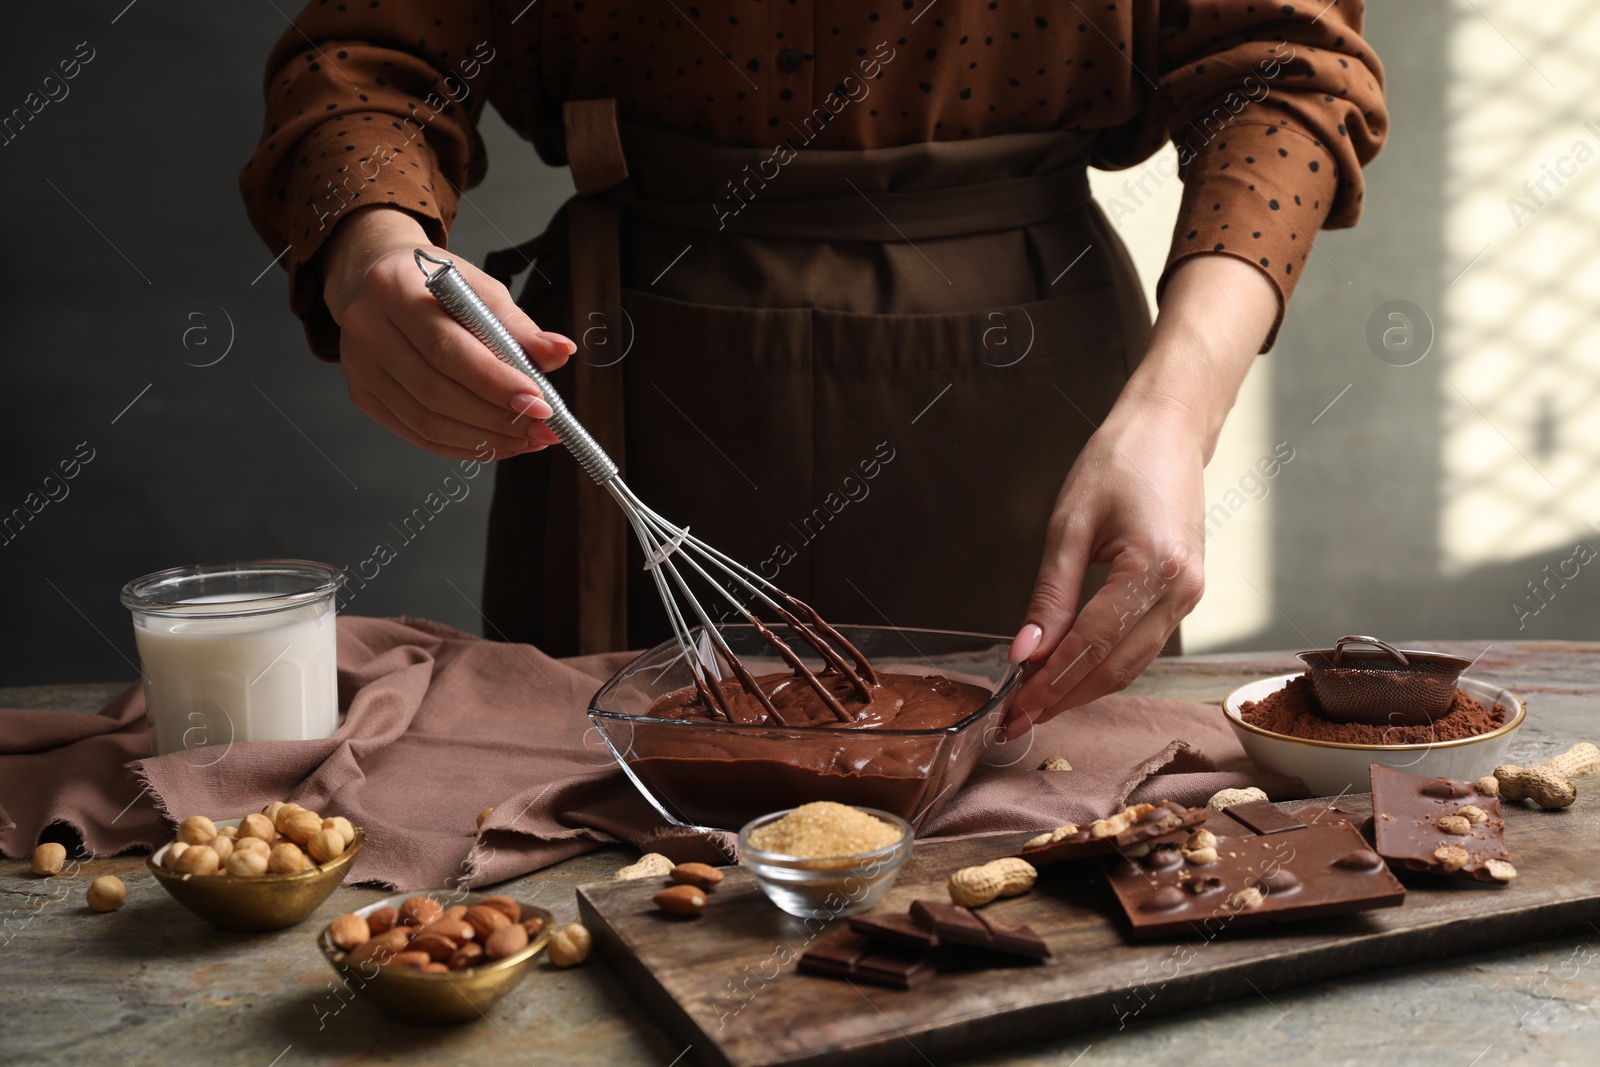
x: 1135, y: 497
x: 413, y: 369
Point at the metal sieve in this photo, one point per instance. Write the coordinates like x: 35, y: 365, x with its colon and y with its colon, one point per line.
x: 1382, y: 686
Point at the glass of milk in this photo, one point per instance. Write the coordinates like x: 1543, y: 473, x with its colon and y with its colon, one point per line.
x: 237, y: 652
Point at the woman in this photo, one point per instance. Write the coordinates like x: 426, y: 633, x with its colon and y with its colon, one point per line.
x: 841, y: 298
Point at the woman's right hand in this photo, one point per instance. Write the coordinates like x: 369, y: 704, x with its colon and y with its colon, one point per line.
x: 412, y: 368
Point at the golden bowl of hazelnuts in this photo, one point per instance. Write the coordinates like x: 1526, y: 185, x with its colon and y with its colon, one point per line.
x: 262, y: 872
x: 437, y: 957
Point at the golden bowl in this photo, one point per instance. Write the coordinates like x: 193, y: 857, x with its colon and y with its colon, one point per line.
x: 454, y: 997
x: 255, y: 903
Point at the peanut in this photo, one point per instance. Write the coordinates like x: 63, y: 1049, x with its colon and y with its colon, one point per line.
x: 1459, y: 825
x: 1500, y: 870
x: 1579, y: 761
x: 569, y: 945
x: 1111, y: 827
x: 48, y: 858
x: 1055, y: 763
x: 1227, y: 798
x: 973, y: 887
x: 1451, y: 858
x: 1488, y: 785
x: 702, y: 876
x: 1546, y: 788
x: 650, y: 865
x: 1201, y: 848
x: 1474, y: 814
x: 1050, y: 837
x: 1245, y: 899
x: 106, y: 893
x: 681, y: 900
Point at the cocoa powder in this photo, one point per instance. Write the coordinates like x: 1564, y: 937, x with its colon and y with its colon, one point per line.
x: 1293, y: 710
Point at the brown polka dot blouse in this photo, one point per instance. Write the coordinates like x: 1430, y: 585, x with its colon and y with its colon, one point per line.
x: 1274, y: 108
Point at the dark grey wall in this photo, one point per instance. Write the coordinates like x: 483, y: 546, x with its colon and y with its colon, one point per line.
x: 122, y: 230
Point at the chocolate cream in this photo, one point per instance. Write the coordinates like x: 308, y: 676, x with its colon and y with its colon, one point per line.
x: 721, y: 775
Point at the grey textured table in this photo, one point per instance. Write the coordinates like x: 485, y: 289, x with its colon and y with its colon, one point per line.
x: 150, y: 984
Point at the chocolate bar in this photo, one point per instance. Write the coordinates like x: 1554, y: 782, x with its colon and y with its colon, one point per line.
x: 1439, y: 825
x: 1311, y: 872
x: 1263, y: 816
x: 846, y: 954
x: 956, y: 925
x: 1140, y: 830
x: 895, y: 928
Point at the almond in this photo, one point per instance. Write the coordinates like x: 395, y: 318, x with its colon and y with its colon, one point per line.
x: 702, y: 876
x: 534, y: 926
x: 457, y: 930
x: 505, y: 905
x: 382, y: 946
x: 456, y: 911
x: 348, y: 931
x: 506, y: 941
x: 437, y: 946
x: 466, y: 956
x: 486, y: 920
x: 414, y: 960
x: 682, y: 900
x: 420, y: 911
x: 384, y: 918
x: 434, y: 968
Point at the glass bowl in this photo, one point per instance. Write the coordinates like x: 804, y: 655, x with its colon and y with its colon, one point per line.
x: 826, y: 888
x: 1332, y: 768
x: 684, y: 769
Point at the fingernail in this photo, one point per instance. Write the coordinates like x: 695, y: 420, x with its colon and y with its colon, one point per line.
x: 1025, y: 644
x: 558, y: 340
x: 530, y: 405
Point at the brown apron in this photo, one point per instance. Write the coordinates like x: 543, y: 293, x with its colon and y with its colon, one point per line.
x: 862, y: 373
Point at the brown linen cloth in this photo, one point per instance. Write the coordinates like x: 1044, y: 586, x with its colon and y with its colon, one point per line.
x: 439, y: 725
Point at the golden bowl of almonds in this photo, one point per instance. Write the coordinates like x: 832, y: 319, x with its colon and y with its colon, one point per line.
x: 439, y: 957
x: 262, y: 872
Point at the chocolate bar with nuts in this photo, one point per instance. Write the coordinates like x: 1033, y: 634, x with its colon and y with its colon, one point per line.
x: 1135, y: 829
x: 1439, y: 825
x: 847, y: 954
x: 1213, y: 884
x: 956, y: 925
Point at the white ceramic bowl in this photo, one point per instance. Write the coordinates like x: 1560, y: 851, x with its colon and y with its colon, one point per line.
x: 1330, y: 768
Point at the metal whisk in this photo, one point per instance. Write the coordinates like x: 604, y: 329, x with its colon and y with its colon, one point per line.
x: 669, y: 549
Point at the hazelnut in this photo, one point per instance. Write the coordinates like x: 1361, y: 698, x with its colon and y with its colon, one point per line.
x: 348, y: 931
x: 247, y: 863
x: 301, y: 827
x: 344, y: 828
x: 223, y: 847
x: 106, y: 893
x: 197, y: 830
x: 252, y: 844
x: 569, y: 945
x: 271, y: 811
x: 258, y: 827
x: 227, y: 831
x: 281, y: 819
x: 286, y: 859
x: 48, y: 858
x: 325, y: 845
x: 169, y: 858
x: 198, y: 860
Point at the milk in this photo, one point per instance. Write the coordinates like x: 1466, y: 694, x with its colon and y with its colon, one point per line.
x: 210, y: 682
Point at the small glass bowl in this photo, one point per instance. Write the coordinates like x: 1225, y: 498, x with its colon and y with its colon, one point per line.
x: 831, y: 887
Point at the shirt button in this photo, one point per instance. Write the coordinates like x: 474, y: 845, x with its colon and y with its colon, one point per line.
x: 790, y: 59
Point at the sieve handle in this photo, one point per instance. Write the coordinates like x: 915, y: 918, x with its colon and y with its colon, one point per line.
x: 1338, y: 648
x: 467, y: 307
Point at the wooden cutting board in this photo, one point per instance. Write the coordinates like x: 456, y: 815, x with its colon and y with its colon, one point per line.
x: 726, y: 983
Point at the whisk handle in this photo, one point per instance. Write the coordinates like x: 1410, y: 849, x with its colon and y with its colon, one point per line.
x: 467, y: 307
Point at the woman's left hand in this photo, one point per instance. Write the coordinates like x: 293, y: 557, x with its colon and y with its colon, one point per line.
x: 1135, y: 498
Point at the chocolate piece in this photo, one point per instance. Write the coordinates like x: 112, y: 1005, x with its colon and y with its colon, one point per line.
x: 846, y: 954
x: 895, y: 928
x: 1165, y: 824
x: 956, y: 925
x: 1305, y: 873
x: 1328, y: 815
x: 1264, y: 817
x: 1439, y: 825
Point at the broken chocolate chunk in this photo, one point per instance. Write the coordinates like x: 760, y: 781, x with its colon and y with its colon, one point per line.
x: 956, y: 925
x: 846, y: 954
x: 895, y: 928
x: 1439, y: 825
x: 1264, y: 817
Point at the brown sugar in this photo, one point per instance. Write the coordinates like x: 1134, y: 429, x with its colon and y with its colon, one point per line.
x: 824, y: 829
x: 1293, y: 710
